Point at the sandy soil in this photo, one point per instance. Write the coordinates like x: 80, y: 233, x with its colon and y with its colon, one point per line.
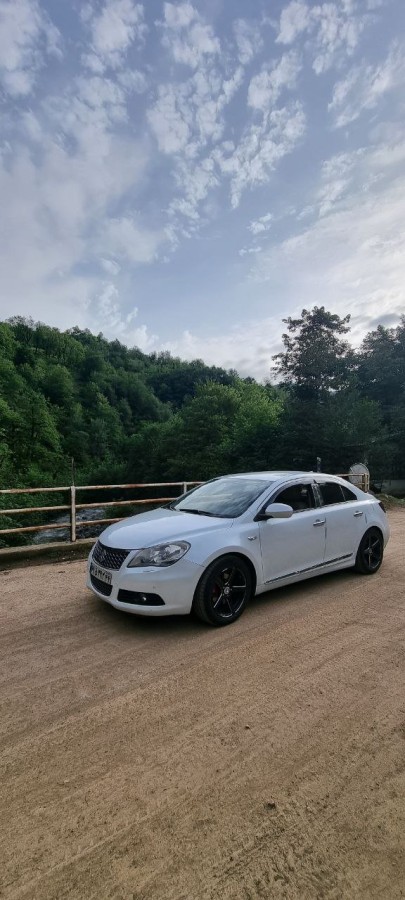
x: 165, y: 760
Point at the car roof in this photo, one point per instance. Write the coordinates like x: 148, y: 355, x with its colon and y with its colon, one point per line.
x: 281, y: 475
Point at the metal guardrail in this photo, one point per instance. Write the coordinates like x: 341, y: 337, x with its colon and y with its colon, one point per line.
x: 72, y: 507
x: 362, y: 481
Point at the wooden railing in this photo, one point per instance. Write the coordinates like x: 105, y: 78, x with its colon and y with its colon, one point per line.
x: 72, y: 506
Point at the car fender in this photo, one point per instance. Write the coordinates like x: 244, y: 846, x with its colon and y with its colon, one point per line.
x: 204, y: 552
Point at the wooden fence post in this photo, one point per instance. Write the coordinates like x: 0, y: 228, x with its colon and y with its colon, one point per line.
x: 72, y: 513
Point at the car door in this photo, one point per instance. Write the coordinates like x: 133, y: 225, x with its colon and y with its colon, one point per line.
x: 291, y: 546
x: 345, y: 520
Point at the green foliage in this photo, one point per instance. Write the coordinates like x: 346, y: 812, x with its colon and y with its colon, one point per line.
x: 316, y: 358
x: 223, y: 428
x: 127, y: 416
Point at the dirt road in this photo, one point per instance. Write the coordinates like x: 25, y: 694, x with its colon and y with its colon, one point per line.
x: 165, y: 760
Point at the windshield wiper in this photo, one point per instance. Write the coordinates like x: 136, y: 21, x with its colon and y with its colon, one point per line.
x: 197, y: 512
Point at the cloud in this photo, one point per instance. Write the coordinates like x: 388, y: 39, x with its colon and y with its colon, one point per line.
x: 351, y: 258
x: 266, y: 87
x: 187, y: 37
x: 186, y: 116
x: 246, y: 346
x: 106, y: 310
x: 248, y: 40
x: 261, y: 149
x: 188, y: 121
x: 126, y: 240
x: 332, y: 29
x: 170, y: 119
x: 110, y: 266
x: 260, y: 225
x: 65, y: 171
x: 365, y: 85
x: 246, y: 251
x: 337, y: 178
x: 112, y: 31
x: 294, y: 20
x: 26, y: 36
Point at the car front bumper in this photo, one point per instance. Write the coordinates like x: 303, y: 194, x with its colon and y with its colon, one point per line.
x: 175, y: 585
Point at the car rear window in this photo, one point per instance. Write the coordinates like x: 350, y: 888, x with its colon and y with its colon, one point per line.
x: 333, y: 492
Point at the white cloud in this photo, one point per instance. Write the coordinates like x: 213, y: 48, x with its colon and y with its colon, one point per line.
x: 56, y: 197
x: 26, y: 36
x: 187, y: 37
x: 295, y: 18
x: 125, y: 239
x: 246, y: 346
x: 187, y: 118
x: 133, y: 80
x: 337, y: 178
x: 365, y: 85
x: 119, y: 24
x: 352, y: 258
x: 179, y: 15
x: 260, y: 225
x: 88, y: 113
x: 333, y: 29
x: 248, y: 39
x: 266, y: 87
x: 169, y: 119
x: 246, y: 251
x: 99, y: 93
x: 110, y: 266
x: 109, y: 317
x: 261, y: 148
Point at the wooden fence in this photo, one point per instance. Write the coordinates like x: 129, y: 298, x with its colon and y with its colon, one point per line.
x: 72, y: 506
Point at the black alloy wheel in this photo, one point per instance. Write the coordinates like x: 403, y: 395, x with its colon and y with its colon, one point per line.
x: 223, y: 591
x: 370, y: 553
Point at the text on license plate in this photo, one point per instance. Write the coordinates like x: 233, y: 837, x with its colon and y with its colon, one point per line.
x: 100, y: 573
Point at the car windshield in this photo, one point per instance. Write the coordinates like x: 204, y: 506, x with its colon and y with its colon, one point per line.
x: 224, y: 497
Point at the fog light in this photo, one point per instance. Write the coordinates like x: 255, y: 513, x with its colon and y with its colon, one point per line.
x: 136, y: 598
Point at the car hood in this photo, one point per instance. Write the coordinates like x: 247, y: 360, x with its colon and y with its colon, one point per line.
x: 158, y: 526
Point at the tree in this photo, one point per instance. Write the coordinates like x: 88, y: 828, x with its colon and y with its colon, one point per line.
x: 316, y: 364
x: 316, y: 359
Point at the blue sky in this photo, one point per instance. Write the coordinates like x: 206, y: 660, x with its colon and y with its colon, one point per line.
x: 182, y: 176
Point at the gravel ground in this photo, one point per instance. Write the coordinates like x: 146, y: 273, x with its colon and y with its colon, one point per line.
x: 164, y: 760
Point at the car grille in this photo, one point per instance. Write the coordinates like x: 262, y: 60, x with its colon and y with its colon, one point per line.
x: 108, y: 558
x: 101, y: 586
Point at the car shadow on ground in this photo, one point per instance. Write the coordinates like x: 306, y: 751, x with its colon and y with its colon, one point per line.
x: 259, y: 606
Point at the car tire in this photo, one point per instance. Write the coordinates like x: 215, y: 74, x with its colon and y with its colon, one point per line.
x: 370, y: 553
x: 223, y: 591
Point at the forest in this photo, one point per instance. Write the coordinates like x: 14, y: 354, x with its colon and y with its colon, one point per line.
x: 76, y: 402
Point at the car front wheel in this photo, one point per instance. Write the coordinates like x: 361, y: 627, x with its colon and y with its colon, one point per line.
x: 370, y: 553
x: 223, y: 591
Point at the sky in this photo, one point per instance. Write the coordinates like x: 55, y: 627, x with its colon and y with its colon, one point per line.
x: 183, y: 176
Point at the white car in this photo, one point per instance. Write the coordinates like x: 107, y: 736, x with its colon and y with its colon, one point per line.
x: 219, y: 544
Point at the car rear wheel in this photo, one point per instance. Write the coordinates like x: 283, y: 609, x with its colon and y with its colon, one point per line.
x: 223, y: 591
x: 370, y: 553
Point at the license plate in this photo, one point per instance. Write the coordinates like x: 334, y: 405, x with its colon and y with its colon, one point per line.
x: 100, y: 573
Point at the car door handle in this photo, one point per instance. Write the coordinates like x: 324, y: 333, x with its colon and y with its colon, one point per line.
x: 358, y: 513
x: 319, y: 522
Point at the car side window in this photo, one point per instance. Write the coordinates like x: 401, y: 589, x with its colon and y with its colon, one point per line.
x: 299, y: 496
x: 332, y: 492
x: 348, y: 494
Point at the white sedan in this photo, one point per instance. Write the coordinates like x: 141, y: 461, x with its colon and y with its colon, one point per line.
x: 219, y: 544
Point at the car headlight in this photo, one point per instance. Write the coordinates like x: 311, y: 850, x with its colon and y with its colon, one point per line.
x: 160, y: 555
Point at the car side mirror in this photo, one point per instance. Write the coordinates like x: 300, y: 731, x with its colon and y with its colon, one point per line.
x: 277, y: 511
